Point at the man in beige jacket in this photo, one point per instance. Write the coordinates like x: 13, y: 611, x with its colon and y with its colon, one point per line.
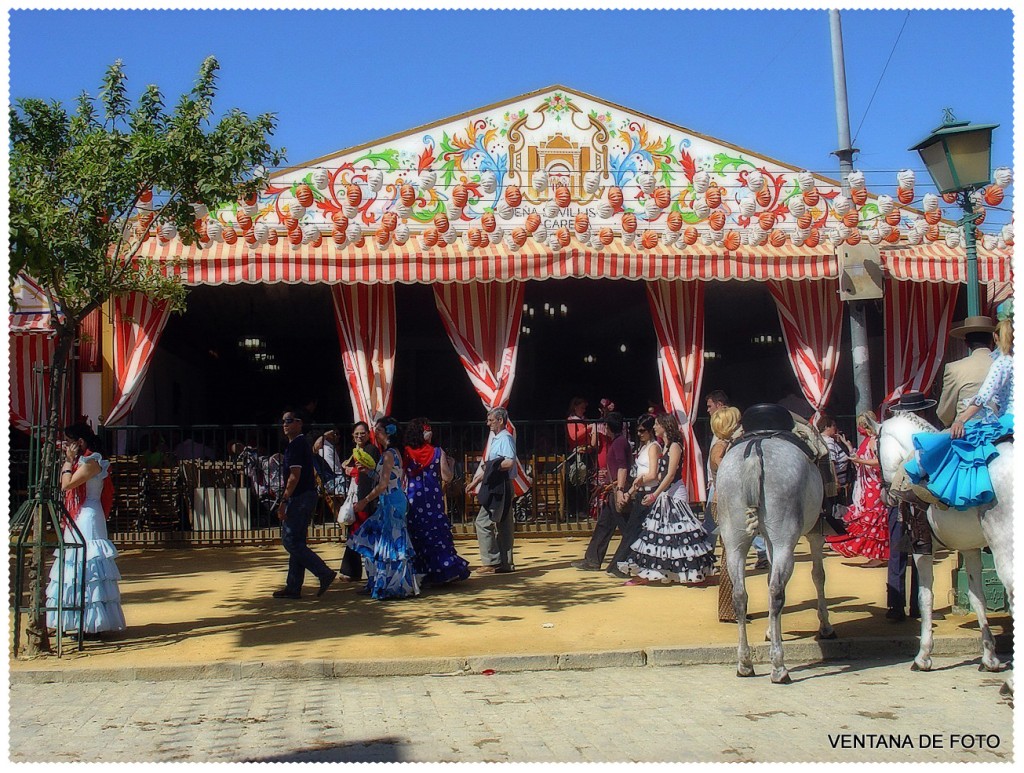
x: 962, y: 378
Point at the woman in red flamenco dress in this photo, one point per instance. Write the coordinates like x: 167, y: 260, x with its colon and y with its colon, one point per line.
x: 867, y: 524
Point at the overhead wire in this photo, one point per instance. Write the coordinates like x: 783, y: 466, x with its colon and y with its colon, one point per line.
x: 880, y: 77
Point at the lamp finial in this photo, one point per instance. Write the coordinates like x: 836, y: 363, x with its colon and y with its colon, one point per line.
x: 947, y: 116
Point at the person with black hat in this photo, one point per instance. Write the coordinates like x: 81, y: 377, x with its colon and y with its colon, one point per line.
x: 962, y: 378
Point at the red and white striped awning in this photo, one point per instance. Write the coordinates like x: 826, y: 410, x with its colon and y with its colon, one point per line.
x: 221, y: 263
x: 938, y: 263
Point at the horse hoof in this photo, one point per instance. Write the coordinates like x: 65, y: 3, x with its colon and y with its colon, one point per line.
x: 915, y: 666
x: 830, y: 635
x: 994, y: 669
x: 784, y: 679
x: 744, y: 674
x: 1006, y: 690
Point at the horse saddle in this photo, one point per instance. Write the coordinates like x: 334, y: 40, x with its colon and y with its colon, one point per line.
x: 760, y: 436
x: 765, y: 417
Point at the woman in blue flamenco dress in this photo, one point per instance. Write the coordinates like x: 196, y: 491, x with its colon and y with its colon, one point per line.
x: 383, y: 539
x: 953, y: 465
x: 87, y: 496
x: 426, y: 466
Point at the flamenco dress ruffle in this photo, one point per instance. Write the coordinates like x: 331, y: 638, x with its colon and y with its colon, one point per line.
x: 383, y: 540
x: 672, y: 546
x: 867, y: 523
x: 102, y: 596
x: 436, y: 560
x: 956, y: 471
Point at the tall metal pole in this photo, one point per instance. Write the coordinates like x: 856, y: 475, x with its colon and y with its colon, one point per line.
x: 858, y: 323
x: 973, y: 292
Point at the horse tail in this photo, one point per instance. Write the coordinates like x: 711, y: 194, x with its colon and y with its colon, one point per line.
x: 753, y: 487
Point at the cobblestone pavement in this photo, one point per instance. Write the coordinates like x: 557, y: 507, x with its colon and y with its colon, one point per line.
x: 685, y: 713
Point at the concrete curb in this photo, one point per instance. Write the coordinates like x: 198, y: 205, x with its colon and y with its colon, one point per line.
x: 797, y: 653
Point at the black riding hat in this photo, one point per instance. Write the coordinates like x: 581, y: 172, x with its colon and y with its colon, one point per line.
x: 912, y: 401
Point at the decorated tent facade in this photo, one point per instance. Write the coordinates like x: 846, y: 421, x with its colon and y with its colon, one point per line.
x: 557, y: 184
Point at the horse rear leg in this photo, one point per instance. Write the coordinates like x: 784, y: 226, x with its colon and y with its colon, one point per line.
x: 975, y: 592
x: 735, y: 564
x: 817, y: 542
x: 781, y: 571
x: 925, y: 603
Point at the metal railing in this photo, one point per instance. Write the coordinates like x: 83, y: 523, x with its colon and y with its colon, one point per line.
x: 213, y: 484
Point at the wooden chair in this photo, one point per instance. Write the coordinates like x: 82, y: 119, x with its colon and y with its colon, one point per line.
x: 161, y: 498
x: 127, y: 473
x: 548, y: 488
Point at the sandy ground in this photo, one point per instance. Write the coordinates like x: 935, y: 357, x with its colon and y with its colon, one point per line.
x: 214, y: 604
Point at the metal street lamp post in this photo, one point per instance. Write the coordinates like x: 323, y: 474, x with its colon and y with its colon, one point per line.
x: 958, y: 155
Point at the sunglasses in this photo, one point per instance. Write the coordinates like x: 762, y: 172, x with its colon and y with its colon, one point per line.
x: 288, y: 421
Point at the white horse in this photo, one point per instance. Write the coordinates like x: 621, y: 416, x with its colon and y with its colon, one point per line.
x: 769, y: 484
x: 965, y: 530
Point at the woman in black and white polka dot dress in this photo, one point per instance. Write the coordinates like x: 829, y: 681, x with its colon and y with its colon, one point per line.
x: 672, y: 546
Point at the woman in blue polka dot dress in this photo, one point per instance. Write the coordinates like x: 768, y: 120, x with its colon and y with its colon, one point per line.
x: 431, y: 533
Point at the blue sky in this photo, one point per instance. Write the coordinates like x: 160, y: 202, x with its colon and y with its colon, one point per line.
x: 758, y: 79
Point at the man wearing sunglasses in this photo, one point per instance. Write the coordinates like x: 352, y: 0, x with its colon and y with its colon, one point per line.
x: 297, y: 502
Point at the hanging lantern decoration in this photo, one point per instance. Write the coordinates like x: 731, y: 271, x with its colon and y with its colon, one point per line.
x: 353, y: 195
x: 338, y: 235
x: 674, y: 221
x: 605, y: 210
x: 851, y: 219
x: 407, y: 194
x: 731, y: 241
x: 475, y: 237
x: 304, y: 195
x: 375, y: 179
x: 893, y: 236
x: 200, y: 211
x: 296, y: 210
x: 930, y: 202
x: 949, y: 198
x: 389, y: 221
x: 812, y: 238
x: 933, y: 216
x: 290, y: 223
x: 563, y: 237
x: 295, y: 237
x: 513, y: 196
x: 441, y: 223
x: 354, y: 232
x: 606, y: 236
x: 797, y: 206
x: 628, y: 222
x: 540, y: 181
x: 905, y: 179
x: 994, y: 195
x: 854, y: 237
x: 755, y: 181
x: 662, y: 196
x: 905, y: 195
x: 401, y: 235
x: 884, y: 228
x: 690, y: 235
x: 811, y: 197
x: 1003, y: 176
x: 261, y: 231
x: 649, y: 240
x: 321, y: 178
x: 885, y: 204
x: 339, y: 220
x: 615, y: 197
x: 806, y: 181
x: 651, y: 210
x: 271, y: 236
x: 646, y: 182
x: 856, y: 180
x: 430, y: 237
x: 914, y: 238
x: 503, y: 210
x: 581, y: 223
x: 488, y: 182
x: 778, y: 238
x: 953, y: 239
x: 533, y: 222
x: 893, y: 218
x: 146, y: 198
x: 766, y: 220
x: 805, y: 220
x: 747, y: 206
x: 701, y: 209
x: 495, y: 236
x: 450, y: 236
x: 428, y: 179
x: 701, y: 181
x: 1006, y: 233
x: 874, y: 237
x: 841, y: 204
x: 713, y: 196
x: 519, y: 236
x: 309, y: 233
x: 243, y: 220
x: 460, y: 196
x: 859, y: 196
x: 668, y: 238
x: 716, y: 220
x: 988, y: 241
x: 707, y: 238
x: 167, y: 231
x: 488, y: 222
x: 591, y: 182
x: 763, y: 197
x: 215, y: 230
x: 541, y: 234
x: 979, y: 215
x: 563, y: 196
x: 798, y: 238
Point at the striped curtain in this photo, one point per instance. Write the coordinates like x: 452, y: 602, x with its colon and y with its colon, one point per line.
x: 365, y: 315
x: 996, y: 293
x: 677, y: 309
x: 27, y: 350
x: 918, y: 317
x: 811, y: 316
x: 482, y: 321
x: 138, y: 324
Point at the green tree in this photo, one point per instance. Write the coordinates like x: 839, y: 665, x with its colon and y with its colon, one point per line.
x: 85, y: 191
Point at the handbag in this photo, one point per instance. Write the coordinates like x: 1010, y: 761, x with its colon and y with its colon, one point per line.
x: 347, y: 511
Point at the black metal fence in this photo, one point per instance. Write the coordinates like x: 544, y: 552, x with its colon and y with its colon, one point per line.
x: 217, y: 483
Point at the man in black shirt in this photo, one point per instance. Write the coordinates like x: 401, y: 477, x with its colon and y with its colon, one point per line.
x: 297, y: 502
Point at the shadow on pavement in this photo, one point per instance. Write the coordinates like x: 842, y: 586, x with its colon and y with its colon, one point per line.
x: 386, y: 749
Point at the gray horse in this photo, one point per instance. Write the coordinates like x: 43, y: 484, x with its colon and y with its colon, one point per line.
x: 769, y: 484
x: 966, y: 531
